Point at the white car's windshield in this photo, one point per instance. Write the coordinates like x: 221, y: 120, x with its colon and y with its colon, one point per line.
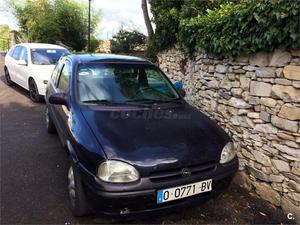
x: 116, y: 82
x: 46, y: 56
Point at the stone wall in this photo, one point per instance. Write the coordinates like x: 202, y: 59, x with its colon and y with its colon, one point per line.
x: 256, y: 99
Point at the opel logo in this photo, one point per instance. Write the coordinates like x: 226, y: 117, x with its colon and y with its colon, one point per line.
x: 186, y: 172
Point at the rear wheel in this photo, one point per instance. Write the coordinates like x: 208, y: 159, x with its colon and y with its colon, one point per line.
x: 78, y: 202
x: 33, y: 91
x: 49, y: 122
x: 8, y: 80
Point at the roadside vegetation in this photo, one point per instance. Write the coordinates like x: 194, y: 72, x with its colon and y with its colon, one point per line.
x: 225, y: 27
x: 130, y: 42
x: 4, y: 37
x: 52, y: 21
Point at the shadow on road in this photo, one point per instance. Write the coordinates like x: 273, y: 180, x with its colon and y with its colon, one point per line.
x: 16, y: 87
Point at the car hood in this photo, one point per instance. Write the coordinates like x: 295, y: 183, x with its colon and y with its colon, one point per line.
x: 169, y: 137
x: 43, y: 71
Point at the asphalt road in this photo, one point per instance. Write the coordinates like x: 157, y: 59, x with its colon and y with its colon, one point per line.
x: 34, y: 175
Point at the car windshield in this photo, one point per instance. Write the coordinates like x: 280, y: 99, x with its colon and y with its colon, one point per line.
x: 119, y: 83
x: 46, y: 56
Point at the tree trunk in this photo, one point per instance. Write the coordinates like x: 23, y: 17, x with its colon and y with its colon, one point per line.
x: 147, y: 18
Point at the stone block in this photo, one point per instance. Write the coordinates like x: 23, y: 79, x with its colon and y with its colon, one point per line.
x: 260, y: 89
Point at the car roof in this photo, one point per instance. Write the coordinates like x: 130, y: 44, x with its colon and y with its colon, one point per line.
x: 41, y: 45
x: 86, y: 58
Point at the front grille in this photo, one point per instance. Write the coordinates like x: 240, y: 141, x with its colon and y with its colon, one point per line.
x: 170, y: 174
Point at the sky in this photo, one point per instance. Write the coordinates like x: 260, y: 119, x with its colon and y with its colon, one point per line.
x: 116, y: 13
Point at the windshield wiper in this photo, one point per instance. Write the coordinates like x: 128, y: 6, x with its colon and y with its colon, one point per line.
x: 107, y: 102
x: 101, y: 101
x: 146, y: 100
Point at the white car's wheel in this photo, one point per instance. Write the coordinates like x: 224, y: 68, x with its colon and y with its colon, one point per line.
x: 34, y: 92
x: 8, y: 80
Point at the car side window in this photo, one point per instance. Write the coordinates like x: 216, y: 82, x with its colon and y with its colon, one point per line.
x: 63, y: 82
x: 157, y: 83
x: 16, y: 52
x: 23, y: 54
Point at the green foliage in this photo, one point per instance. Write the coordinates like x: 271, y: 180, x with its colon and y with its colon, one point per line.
x: 166, y: 18
x: 231, y: 28
x: 94, y: 44
x: 125, y: 41
x: 54, y: 20
x: 243, y: 28
x: 167, y: 15
x: 4, y: 37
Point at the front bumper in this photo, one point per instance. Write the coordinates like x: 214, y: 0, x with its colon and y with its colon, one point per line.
x: 144, y: 201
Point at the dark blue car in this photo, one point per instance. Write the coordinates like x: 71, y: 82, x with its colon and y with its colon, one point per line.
x: 135, y: 145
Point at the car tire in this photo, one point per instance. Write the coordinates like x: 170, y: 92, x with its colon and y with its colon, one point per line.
x: 8, y: 80
x: 34, y: 92
x: 49, y: 122
x: 78, y: 201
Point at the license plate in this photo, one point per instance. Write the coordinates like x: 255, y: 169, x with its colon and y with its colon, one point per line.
x: 183, y: 191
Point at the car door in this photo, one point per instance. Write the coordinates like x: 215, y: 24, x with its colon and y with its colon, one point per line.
x: 62, y: 113
x: 12, y: 64
x: 22, y: 71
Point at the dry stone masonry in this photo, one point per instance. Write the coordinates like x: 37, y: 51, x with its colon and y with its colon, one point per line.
x: 256, y: 99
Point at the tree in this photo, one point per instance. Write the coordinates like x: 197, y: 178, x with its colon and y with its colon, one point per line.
x: 50, y: 21
x: 4, y: 37
x: 167, y: 16
x: 147, y: 18
x: 126, y: 41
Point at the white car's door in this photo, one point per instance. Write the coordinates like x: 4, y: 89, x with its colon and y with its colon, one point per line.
x: 22, y: 70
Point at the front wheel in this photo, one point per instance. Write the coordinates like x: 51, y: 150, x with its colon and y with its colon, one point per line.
x: 78, y: 202
x: 34, y: 92
x: 8, y: 80
x: 49, y: 122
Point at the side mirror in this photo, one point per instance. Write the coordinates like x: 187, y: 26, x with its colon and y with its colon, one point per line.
x: 59, y: 99
x: 22, y: 62
x: 179, y: 87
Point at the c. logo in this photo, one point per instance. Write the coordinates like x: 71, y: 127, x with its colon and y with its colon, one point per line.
x: 290, y: 216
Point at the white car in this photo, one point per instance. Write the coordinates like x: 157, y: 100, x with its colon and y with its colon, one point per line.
x: 30, y: 65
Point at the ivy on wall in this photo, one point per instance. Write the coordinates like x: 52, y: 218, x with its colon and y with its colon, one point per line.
x: 226, y: 27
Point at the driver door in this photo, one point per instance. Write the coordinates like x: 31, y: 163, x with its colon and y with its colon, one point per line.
x: 61, y: 112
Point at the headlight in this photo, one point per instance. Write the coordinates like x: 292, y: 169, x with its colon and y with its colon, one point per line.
x: 117, y: 172
x: 228, y: 153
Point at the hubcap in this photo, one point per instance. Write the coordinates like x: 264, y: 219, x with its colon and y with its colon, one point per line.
x: 71, y: 186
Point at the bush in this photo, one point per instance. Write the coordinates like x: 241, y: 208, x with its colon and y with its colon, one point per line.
x: 126, y: 41
x: 231, y: 28
x: 243, y: 28
x: 167, y: 15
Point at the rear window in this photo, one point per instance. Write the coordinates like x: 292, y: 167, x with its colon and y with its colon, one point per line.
x: 46, y: 56
x: 10, y: 53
